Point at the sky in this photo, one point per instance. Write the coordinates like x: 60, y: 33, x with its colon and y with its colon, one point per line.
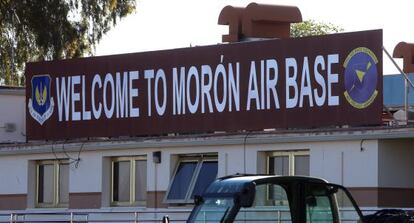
x: 169, y: 24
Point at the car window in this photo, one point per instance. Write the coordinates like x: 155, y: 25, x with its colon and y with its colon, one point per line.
x: 270, y: 205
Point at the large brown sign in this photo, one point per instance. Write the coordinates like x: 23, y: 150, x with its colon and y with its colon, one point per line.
x: 289, y: 83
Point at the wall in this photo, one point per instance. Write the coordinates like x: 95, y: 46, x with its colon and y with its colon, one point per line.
x: 396, y: 163
x: 13, y: 174
x: 353, y: 164
x: 342, y: 162
x: 18, y: 180
x: 396, y: 173
x: 346, y: 163
x: 89, y: 179
x: 12, y: 110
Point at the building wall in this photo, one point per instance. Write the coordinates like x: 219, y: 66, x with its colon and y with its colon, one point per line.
x: 346, y: 163
x: 89, y: 179
x: 369, y: 168
x: 395, y: 172
x: 353, y: 164
x: 13, y: 174
x: 396, y: 163
x: 12, y: 110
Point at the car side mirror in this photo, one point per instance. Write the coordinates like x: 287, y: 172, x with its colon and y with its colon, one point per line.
x: 311, y: 201
x: 165, y: 219
x: 198, y: 199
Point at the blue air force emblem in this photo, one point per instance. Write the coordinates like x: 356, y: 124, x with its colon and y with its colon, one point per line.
x: 41, y: 104
x: 361, y: 77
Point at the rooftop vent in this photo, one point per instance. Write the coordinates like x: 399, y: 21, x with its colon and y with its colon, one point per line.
x: 258, y: 21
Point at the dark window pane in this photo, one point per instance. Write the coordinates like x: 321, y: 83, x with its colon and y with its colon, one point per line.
x: 64, y: 183
x: 40, y: 184
x: 46, y: 188
x: 115, y: 177
x: 182, y: 180
x: 279, y: 165
x: 302, y: 165
x: 121, y: 181
x: 208, y: 173
x: 271, y: 165
x: 140, y: 180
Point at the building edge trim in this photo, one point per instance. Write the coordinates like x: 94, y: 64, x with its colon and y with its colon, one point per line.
x: 248, y: 138
x: 13, y: 91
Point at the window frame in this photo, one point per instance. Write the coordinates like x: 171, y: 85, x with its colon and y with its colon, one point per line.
x: 200, y: 159
x: 132, y: 167
x: 291, y: 154
x: 56, y: 183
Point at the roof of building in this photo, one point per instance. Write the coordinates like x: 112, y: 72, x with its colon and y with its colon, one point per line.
x: 213, y: 139
x: 393, y: 91
x: 12, y: 90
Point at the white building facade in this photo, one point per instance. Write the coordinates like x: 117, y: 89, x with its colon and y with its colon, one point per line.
x: 374, y: 164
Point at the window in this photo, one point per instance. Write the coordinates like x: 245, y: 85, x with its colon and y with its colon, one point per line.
x: 329, y: 203
x: 289, y: 163
x: 129, y: 181
x: 268, y: 206
x: 319, y: 204
x: 191, y: 177
x: 52, y: 183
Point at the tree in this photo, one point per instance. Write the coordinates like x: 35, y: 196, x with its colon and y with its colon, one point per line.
x: 32, y: 30
x: 312, y: 28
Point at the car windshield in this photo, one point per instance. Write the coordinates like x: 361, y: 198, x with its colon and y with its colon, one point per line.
x: 213, y: 210
x: 270, y: 204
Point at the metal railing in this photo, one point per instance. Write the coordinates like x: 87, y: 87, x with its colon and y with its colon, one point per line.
x: 106, y: 216
x: 93, y: 216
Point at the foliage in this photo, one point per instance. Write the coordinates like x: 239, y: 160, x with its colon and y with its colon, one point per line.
x: 32, y: 30
x: 313, y: 28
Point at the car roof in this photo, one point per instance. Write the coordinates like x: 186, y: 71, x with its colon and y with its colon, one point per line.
x: 228, y: 185
x: 259, y: 179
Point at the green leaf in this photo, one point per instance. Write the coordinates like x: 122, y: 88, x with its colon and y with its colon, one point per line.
x: 313, y: 28
x: 54, y: 29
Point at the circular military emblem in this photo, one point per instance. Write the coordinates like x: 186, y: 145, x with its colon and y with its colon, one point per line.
x: 361, y: 77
